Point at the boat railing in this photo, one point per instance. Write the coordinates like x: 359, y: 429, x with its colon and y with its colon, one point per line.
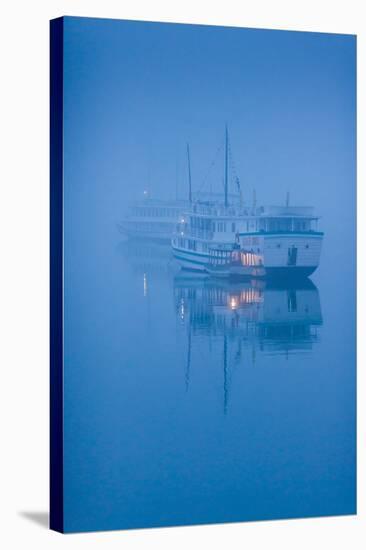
x: 217, y: 210
x: 197, y: 233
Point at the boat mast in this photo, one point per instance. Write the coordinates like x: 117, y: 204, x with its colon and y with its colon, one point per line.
x: 189, y: 175
x: 226, y: 165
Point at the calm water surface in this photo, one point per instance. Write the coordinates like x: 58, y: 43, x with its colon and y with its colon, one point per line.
x: 193, y: 400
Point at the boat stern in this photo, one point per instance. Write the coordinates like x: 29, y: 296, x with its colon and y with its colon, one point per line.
x: 282, y: 254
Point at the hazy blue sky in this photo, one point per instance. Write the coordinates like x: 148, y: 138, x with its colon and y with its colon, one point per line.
x: 135, y: 92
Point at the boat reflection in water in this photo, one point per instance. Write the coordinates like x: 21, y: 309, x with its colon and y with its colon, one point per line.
x: 222, y: 324
x: 273, y: 318
x: 146, y: 257
x: 240, y: 321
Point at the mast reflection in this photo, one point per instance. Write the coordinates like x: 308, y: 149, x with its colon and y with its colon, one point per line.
x: 149, y: 258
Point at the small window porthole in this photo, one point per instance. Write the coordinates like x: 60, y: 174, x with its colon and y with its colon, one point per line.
x: 306, y: 246
x: 279, y: 245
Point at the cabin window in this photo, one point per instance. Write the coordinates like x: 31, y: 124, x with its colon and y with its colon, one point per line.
x: 291, y: 302
x: 191, y: 244
x: 233, y: 227
x: 292, y: 256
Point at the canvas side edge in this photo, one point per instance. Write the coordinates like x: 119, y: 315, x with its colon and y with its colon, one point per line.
x: 56, y: 521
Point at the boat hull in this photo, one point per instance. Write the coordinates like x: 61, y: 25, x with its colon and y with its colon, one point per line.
x: 190, y: 262
x: 145, y: 234
x: 271, y: 256
x: 235, y: 272
x: 297, y: 272
x: 269, y: 273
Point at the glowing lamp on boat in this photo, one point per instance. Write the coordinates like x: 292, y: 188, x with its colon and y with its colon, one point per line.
x: 233, y: 303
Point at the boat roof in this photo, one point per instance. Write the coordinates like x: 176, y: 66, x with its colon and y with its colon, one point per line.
x: 149, y: 202
x: 219, y: 211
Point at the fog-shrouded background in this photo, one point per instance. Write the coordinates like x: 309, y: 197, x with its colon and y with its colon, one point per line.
x: 136, y: 92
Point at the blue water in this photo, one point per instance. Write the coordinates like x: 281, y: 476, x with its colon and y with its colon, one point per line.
x: 189, y: 400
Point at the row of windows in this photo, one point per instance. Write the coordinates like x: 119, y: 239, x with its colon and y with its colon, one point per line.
x: 155, y: 212
x: 204, y: 224
x: 221, y: 253
x: 222, y: 227
x: 201, y: 223
x: 186, y: 243
x: 285, y: 225
x: 191, y: 244
x: 263, y: 225
x: 195, y: 245
x: 150, y: 226
x: 250, y: 259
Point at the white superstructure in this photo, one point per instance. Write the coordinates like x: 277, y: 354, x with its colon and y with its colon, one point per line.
x: 152, y: 219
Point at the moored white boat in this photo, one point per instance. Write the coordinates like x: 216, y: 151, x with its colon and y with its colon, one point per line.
x: 152, y: 219
x: 254, y: 241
